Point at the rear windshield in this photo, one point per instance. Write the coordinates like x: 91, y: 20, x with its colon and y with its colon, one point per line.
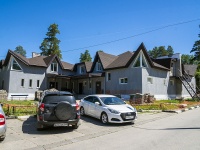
x: 54, y: 98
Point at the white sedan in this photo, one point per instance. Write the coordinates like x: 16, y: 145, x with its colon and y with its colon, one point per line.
x: 107, y: 108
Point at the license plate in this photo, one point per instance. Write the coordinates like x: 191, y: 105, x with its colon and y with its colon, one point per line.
x: 129, y: 117
x: 60, y: 124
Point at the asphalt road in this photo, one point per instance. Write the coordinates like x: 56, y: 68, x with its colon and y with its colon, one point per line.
x: 151, y: 131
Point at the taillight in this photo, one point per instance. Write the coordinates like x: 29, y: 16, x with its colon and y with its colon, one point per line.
x: 2, y: 119
x: 41, y: 107
x: 77, y: 106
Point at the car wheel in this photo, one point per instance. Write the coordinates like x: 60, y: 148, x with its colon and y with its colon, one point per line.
x: 82, y: 111
x: 1, y: 139
x: 75, y: 126
x: 104, y: 118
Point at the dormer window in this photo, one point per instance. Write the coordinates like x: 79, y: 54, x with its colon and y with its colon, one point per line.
x: 82, y: 69
x: 98, y: 66
x: 54, y: 66
x: 140, y: 61
x: 15, y: 65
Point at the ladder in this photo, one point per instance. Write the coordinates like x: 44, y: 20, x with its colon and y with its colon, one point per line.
x: 184, y: 79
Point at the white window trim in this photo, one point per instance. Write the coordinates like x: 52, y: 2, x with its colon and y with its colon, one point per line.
x: 150, y: 82
x: 81, y: 70
x: 53, y: 63
x: 37, y: 84
x: 99, y: 66
x: 13, y: 59
x: 140, y: 56
x: 23, y: 83
x: 31, y: 83
x: 107, y: 79
x: 123, y: 80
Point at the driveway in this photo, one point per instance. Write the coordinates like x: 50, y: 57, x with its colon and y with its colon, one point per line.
x: 22, y: 134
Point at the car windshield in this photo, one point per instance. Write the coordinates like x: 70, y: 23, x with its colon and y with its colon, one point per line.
x: 112, y: 101
x: 54, y: 98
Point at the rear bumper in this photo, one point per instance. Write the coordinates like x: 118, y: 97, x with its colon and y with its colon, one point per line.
x: 51, y: 123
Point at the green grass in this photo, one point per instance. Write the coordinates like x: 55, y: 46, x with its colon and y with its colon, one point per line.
x: 26, y: 107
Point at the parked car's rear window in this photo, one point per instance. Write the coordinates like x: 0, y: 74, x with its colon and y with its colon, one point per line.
x: 54, y: 98
x: 112, y: 101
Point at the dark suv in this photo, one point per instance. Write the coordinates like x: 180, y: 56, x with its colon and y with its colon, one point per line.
x: 58, y: 108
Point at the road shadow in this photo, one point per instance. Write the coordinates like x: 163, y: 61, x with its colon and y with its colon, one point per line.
x: 98, y: 122
x: 29, y: 127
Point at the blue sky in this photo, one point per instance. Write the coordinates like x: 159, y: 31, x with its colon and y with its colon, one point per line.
x: 84, y: 23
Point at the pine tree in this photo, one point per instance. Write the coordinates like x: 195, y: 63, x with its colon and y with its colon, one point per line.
x: 85, y: 57
x: 50, y: 44
x: 20, y: 50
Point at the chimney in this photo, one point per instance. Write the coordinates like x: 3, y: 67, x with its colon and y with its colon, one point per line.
x: 34, y: 54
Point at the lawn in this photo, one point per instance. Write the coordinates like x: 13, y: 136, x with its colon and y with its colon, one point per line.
x: 19, y: 107
x: 167, y: 105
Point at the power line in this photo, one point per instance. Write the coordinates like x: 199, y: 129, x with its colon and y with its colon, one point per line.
x: 167, y: 26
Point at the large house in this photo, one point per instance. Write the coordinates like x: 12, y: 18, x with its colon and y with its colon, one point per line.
x: 127, y: 73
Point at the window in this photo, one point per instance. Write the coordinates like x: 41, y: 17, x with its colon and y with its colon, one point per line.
x: 123, y: 80
x: 140, y: 61
x: 72, y: 85
x: 165, y: 83
x: 98, y: 66
x: 171, y: 82
x: 38, y: 83
x: 30, y: 83
x: 150, y: 80
x: 84, y: 83
x: 108, y: 76
x: 90, y: 86
x: 22, y: 82
x: 15, y: 65
x: 2, y: 86
x: 54, y: 66
x: 82, y: 69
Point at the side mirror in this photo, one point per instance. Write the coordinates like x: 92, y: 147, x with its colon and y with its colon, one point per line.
x: 97, y: 103
x: 1, y: 105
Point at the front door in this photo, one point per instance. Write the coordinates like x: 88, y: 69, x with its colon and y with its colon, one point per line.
x: 98, y: 87
x: 80, y: 85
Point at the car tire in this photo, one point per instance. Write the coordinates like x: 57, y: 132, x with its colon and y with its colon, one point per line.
x: 1, y: 139
x: 75, y: 126
x: 82, y: 111
x: 104, y: 118
x: 64, y: 110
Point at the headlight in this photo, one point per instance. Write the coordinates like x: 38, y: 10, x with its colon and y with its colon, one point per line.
x: 131, y: 108
x: 113, y: 111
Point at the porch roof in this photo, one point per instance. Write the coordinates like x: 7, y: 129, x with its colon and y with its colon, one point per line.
x: 76, y: 76
x: 87, y: 75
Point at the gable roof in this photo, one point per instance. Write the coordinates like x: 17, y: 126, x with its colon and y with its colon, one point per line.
x: 125, y: 59
x: 121, y: 60
x: 39, y: 61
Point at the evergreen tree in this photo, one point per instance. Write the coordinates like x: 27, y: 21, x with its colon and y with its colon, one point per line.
x: 196, y: 49
x: 20, y: 50
x: 50, y: 44
x: 85, y: 57
x: 161, y: 51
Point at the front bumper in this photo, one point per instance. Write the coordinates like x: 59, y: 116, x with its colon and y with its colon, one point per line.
x: 122, y: 117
